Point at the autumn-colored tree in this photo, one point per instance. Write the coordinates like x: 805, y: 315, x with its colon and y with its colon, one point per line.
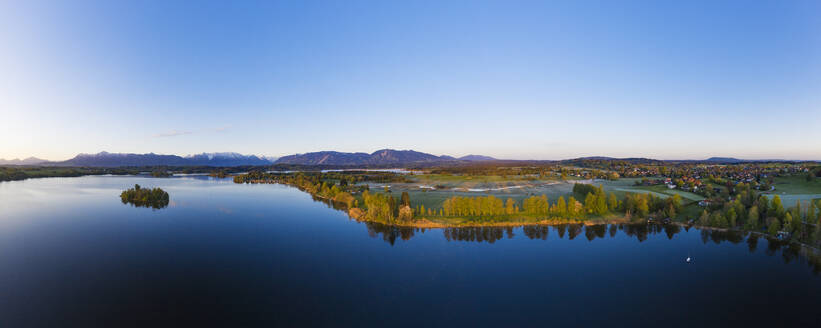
x: 752, y: 219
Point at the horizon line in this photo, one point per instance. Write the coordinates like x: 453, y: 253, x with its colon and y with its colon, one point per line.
x: 456, y: 157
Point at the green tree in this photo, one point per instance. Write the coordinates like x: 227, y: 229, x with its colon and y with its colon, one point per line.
x: 561, y: 207
x: 676, y: 200
x: 731, y: 217
x: 763, y: 205
x: 741, y: 212
x: 671, y: 211
x: 601, y: 201
x: 704, y: 219
x: 510, y: 206
x: 774, y: 227
x: 777, y: 207
x: 572, y: 210
x: 642, y: 209
x: 613, y: 202
x: 789, y: 224
x: 590, y: 203
x: 718, y: 220
x: 752, y: 219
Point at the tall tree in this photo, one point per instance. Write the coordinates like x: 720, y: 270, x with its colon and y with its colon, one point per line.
x: 405, y: 199
x: 777, y: 207
x: 752, y: 219
x: 774, y: 227
x: 572, y: 209
x: 731, y: 217
x: 561, y: 207
x: 590, y: 204
x: 642, y: 209
x: 704, y: 219
x: 676, y: 200
x: 613, y: 202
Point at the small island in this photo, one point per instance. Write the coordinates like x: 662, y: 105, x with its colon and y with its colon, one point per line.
x: 161, y: 174
x: 155, y: 198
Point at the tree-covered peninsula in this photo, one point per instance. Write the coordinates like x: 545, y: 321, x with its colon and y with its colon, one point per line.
x: 141, y: 197
x: 472, y: 196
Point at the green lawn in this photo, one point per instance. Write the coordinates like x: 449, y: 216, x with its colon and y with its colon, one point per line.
x: 458, y: 185
x: 623, y: 186
x: 476, y: 182
x: 796, y: 188
x: 684, y: 194
x: 796, y: 185
x: 516, y: 187
x: 435, y: 198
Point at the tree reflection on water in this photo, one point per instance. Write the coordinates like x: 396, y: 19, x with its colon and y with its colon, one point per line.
x: 789, y: 251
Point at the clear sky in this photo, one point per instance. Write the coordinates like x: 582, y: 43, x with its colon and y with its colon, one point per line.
x: 511, y: 79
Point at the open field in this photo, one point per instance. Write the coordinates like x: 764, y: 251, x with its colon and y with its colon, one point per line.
x: 792, y: 189
x: 421, y: 190
x: 623, y: 186
x: 796, y: 185
x: 434, y: 198
x: 789, y: 200
x: 663, y: 190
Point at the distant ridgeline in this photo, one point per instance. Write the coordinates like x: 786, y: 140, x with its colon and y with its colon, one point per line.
x: 140, y: 197
x: 26, y: 172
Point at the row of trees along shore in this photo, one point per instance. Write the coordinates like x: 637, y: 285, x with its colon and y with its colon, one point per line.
x: 745, y: 209
x: 594, y: 203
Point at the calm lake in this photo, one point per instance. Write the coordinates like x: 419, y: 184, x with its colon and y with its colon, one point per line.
x: 224, y: 254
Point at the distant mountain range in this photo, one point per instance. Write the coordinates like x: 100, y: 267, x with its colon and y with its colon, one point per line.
x: 106, y: 159
x: 477, y: 158
x: 379, y: 158
x: 725, y: 160
x: 27, y: 161
x: 384, y: 157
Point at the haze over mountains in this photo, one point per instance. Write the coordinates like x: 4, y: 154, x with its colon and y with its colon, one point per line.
x: 383, y: 157
x: 379, y: 157
x: 106, y: 159
x: 330, y: 158
x: 17, y: 161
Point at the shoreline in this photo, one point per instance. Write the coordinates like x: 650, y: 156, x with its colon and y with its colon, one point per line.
x: 426, y: 223
x: 358, y: 214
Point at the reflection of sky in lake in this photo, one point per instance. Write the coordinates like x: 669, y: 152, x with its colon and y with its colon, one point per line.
x: 230, y: 254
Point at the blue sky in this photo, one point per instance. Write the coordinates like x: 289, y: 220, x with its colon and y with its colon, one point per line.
x: 511, y: 79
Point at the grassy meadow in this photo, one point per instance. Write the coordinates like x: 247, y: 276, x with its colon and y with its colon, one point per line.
x: 792, y: 189
x: 421, y: 190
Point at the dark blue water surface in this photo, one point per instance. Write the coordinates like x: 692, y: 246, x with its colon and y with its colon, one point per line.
x: 230, y: 255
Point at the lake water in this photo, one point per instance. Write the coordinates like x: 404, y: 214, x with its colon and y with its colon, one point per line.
x: 223, y: 254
